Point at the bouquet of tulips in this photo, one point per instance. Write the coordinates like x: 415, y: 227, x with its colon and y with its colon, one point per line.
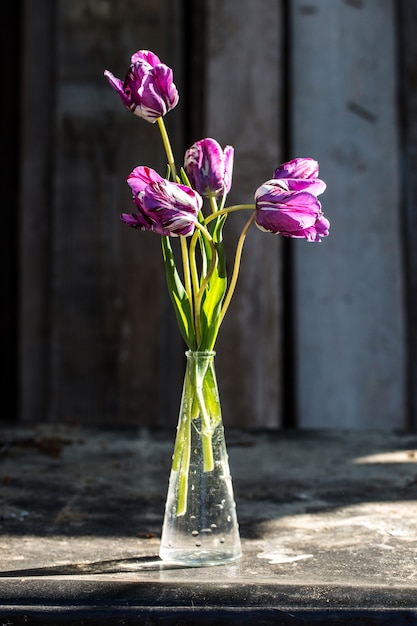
x: 189, y: 202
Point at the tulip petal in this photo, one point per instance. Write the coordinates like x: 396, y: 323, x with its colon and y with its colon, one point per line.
x: 136, y: 220
x: 313, y: 233
x: 301, y: 174
x: 298, y: 168
x: 142, y: 176
x: 164, y: 207
x: 315, y: 186
x: 299, y: 211
x: 287, y: 204
x: 322, y: 226
x: 118, y: 86
x: 145, y: 56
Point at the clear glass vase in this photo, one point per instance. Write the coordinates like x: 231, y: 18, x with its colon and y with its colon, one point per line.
x: 200, y: 524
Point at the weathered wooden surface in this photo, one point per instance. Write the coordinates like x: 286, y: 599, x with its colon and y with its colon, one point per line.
x: 36, y: 146
x: 350, y: 335
x: 103, y: 346
x: 10, y: 55
x: 331, y: 79
x: 407, y: 119
x: 244, y: 110
x: 327, y: 520
x: 94, y: 352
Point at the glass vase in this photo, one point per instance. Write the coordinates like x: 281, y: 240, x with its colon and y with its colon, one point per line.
x: 200, y: 524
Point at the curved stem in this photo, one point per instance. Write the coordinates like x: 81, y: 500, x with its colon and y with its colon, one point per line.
x: 184, y: 249
x: 236, y: 266
x: 182, y: 449
x: 230, y: 209
x: 167, y: 146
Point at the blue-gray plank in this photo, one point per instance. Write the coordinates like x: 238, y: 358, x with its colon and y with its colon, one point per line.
x: 350, y: 335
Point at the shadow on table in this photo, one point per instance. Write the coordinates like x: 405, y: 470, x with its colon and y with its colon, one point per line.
x: 114, y: 566
x: 64, y: 481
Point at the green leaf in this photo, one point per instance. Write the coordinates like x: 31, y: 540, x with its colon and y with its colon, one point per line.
x: 212, y: 302
x: 210, y: 310
x: 179, y: 297
x: 217, y: 228
x: 216, y: 288
x: 184, y: 178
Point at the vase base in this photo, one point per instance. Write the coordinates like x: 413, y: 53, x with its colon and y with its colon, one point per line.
x: 198, y: 558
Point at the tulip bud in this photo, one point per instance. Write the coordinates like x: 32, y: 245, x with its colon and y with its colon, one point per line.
x: 209, y: 168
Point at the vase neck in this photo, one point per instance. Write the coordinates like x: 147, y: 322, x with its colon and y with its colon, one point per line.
x: 200, y: 355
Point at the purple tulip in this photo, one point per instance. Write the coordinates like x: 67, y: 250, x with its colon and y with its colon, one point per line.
x: 288, y: 205
x: 303, y: 168
x: 148, y: 89
x: 209, y: 168
x: 164, y: 207
x: 301, y: 174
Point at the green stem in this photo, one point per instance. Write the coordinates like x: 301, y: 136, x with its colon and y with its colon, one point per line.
x: 206, y: 425
x: 167, y: 146
x: 184, y: 471
x: 195, y: 283
x: 196, y: 385
x: 180, y: 439
x: 236, y: 266
x: 206, y: 433
x: 184, y: 249
x: 200, y: 293
x: 229, y: 209
x: 182, y: 449
x: 213, y: 204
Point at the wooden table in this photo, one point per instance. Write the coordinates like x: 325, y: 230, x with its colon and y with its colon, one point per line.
x: 328, y: 523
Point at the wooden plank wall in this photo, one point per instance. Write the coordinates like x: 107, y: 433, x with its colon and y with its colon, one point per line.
x: 407, y: 120
x: 249, y: 348
x: 350, y: 335
x: 10, y: 61
x: 36, y: 182
x: 104, y: 347
x: 98, y: 341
